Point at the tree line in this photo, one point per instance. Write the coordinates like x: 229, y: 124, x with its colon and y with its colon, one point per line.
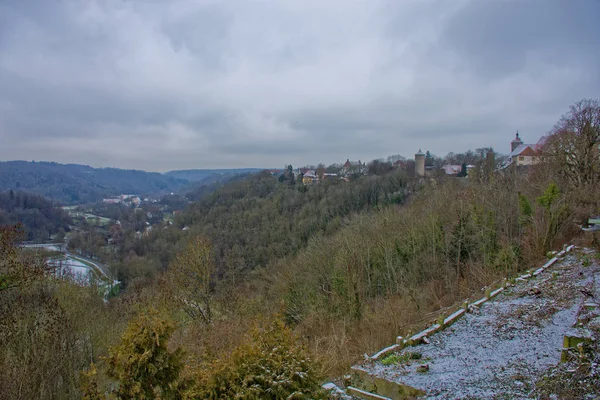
x: 40, y: 217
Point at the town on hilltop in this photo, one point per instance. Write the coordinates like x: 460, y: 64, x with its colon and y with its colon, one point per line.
x: 422, y: 165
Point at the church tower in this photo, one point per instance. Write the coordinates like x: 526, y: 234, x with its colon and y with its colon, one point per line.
x: 515, y: 143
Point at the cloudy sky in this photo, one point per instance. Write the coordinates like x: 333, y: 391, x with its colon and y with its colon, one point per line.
x: 161, y: 85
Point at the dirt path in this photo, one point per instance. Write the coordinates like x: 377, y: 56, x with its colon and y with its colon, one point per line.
x: 500, y: 350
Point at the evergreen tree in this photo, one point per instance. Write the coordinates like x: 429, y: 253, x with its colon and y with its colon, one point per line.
x: 142, y: 363
x: 463, y: 171
x: 428, y: 159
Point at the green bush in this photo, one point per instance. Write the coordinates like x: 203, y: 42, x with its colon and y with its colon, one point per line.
x: 269, y: 364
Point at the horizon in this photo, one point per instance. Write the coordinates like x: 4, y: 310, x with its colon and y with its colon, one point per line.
x: 160, y: 86
x: 129, y: 169
x: 230, y: 168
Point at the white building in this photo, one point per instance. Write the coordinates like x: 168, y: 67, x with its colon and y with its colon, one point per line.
x: 524, y: 154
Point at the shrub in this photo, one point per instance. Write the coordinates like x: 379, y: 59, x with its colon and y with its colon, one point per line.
x: 142, y: 363
x: 269, y: 364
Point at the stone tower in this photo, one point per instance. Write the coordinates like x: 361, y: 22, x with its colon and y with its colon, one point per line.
x: 419, y: 164
x: 515, y: 143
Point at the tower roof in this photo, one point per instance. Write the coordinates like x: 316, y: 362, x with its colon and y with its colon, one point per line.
x: 419, y: 153
x: 517, y: 139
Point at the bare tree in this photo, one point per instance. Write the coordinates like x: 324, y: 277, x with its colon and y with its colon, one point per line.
x: 190, y: 277
x: 572, y: 147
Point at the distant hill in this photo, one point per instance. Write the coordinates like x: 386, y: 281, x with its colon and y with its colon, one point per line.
x: 78, y: 184
x: 205, y: 181
x: 205, y: 175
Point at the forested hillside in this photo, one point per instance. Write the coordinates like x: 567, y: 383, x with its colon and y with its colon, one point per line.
x: 251, y: 222
x: 80, y: 184
x: 39, y: 216
x: 75, y: 184
x: 387, y: 272
x: 266, y: 286
x: 257, y: 220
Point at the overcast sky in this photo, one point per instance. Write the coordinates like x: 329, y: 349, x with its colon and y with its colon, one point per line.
x: 161, y: 85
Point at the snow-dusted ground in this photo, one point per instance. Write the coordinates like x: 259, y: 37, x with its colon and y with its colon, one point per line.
x: 499, y: 351
x: 73, y: 269
x: 45, y: 246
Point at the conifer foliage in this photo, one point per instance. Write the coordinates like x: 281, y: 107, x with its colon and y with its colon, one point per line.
x: 270, y: 364
x: 142, y: 363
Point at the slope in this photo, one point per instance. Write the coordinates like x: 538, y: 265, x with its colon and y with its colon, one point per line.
x: 255, y: 221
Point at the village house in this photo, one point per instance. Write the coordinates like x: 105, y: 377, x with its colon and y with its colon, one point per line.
x: 522, y: 154
x: 353, y: 167
x: 310, y: 177
x: 400, y: 164
x: 112, y: 200
x: 452, y: 169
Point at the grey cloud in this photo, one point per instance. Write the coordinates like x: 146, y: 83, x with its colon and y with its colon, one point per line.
x: 496, y: 38
x: 196, y: 84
